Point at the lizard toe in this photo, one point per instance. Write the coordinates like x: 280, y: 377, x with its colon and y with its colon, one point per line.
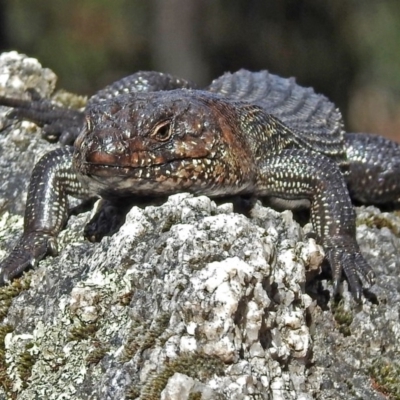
x: 358, y: 272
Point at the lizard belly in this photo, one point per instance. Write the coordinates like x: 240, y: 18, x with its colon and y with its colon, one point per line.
x: 285, y: 204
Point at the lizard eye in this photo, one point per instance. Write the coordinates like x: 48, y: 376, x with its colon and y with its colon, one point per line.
x: 162, y: 132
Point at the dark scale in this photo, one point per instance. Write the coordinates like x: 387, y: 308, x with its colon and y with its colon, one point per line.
x: 247, y: 134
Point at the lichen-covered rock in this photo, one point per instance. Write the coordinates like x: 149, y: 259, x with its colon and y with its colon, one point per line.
x: 189, y: 300
x: 17, y: 74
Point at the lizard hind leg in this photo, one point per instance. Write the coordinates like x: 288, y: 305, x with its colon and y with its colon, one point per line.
x: 374, y: 176
x: 58, y: 123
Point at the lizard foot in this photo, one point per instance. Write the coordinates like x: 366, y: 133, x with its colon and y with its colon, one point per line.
x: 350, y: 260
x: 107, y: 220
x: 30, y: 249
x: 59, y: 123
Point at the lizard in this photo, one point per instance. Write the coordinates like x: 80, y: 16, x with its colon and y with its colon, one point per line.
x: 249, y: 134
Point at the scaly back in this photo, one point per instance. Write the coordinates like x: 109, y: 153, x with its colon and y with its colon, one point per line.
x: 312, y: 118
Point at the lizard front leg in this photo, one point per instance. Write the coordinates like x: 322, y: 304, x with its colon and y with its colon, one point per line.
x: 296, y: 174
x: 52, y: 180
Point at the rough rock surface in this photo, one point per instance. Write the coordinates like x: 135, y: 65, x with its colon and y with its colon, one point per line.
x: 189, y: 300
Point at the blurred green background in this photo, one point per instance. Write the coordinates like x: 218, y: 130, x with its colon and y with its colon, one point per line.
x: 346, y: 49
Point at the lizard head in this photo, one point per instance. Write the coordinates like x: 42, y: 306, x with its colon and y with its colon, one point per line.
x: 158, y: 143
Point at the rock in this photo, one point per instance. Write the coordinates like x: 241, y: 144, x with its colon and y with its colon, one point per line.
x: 188, y: 300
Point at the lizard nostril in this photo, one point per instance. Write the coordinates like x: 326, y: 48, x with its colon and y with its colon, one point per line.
x: 115, y: 148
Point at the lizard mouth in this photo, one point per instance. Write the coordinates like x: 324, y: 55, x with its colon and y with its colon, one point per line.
x: 90, y: 160
x: 181, y: 167
x: 166, y: 178
x: 208, y: 175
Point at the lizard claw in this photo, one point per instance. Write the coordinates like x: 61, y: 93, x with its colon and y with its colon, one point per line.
x: 358, y: 272
x: 30, y: 249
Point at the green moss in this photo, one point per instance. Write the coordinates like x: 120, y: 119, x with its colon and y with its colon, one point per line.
x: 126, y: 298
x: 170, y: 221
x: 343, y: 317
x: 195, y: 396
x: 379, y: 222
x: 5, y: 381
x: 133, y: 392
x: 7, y: 293
x: 97, y: 354
x: 81, y: 332
x: 4, y: 306
x: 133, y: 341
x: 25, y: 362
x: 385, y: 375
x: 142, y: 337
x: 155, y: 332
x: 69, y: 99
x: 198, y: 366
